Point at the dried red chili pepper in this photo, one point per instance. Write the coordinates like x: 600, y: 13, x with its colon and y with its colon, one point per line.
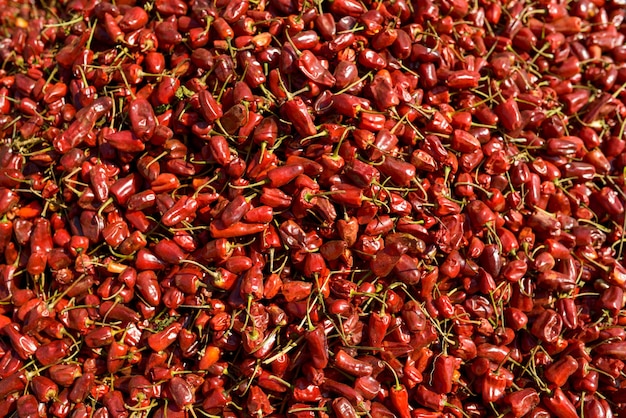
x: 318, y: 347
x: 558, y: 403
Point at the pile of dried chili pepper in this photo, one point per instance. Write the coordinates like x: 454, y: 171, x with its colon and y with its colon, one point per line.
x: 308, y: 208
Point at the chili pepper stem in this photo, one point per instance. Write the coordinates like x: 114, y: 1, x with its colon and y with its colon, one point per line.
x: 248, y: 306
x: 317, y: 135
x: 290, y: 346
x: 297, y: 51
x: 142, y: 408
x: 249, y: 186
x: 206, y: 414
x: 211, y: 273
x: 355, y: 83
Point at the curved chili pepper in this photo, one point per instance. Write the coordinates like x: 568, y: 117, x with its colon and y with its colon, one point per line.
x: 351, y: 365
x: 24, y: 345
x: 238, y: 229
x: 313, y: 69
x: 342, y: 389
x: 211, y: 110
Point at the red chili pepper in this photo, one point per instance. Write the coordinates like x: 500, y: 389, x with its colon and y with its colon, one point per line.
x: 275, y: 198
x: 342, y: 389
x: 24, y: 345
x: 559, y: 404
x: 125, y: 188
x: 313, y: 69
x: 378, y: 325
x: 168, y: 251
x: 343, y: 408
x: 493, y: 386
x: 612, y: 349
x: 141, y: 201
x: 27, y: 405
x: 211, y: 110
x: 305, y: 391
x: 217, y: 250
x: 142, y: 118
x: 255, y: 74
x: 444, y: 368
x: 98, y: 178
x: 185, y: 207
x: 347, y: 194
x: 52, y: 352
x: 547, y: 326
x: 238, y: 229
x: 368, y: 386
x: 318, y: 347
x: 224, y: 279
x: 217, y: 399
x: 181, y: 392
x: 163, y: 339
x: 64, y: 374
x: 188, y: 280
x: 114, y: 403
x: 522, y: 401
x: 399, y: 397
x: 297, y: 113
x: 81, y: 387
x: 260, y: 214
x: 220, y: 149
x: 41, y: 241
x: 99, y: 337
x: 429, y: 399
x: 252, y: 283
x: 118, y: 311
x: 378, y: 410
x: 399, y: 172
x: 560, y: 371
x: 211, y: 356
x: 280, y: 176
x: 235, y: 210
x: 351, y: 365
x: 116, y: 356
x: 44, y: 388
x: 270, y: 382
x: 12, y: 383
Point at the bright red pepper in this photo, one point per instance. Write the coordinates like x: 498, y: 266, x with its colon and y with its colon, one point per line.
x: 378, y: 325
x: 560, y: 405
x: 399, y: 397
x: 163, y: 339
